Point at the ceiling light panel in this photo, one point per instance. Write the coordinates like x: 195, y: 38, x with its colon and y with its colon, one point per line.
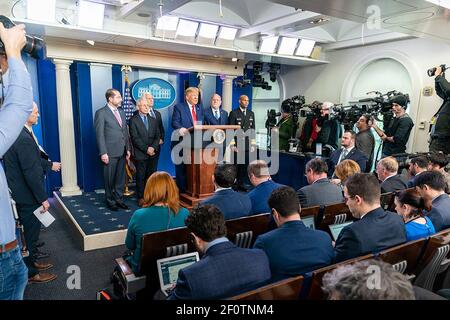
x: 41, y: 10
x: 305, y: 48
x: 186, y: 30
x: 91, y: 14
x: 269, y: 44
x: 287, y: 46
x: 207, y: 33
x: 226, y: 37
x: 442, y: 3
x: 166, y: 27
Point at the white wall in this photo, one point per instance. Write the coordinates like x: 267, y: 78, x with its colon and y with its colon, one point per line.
x: 330, y: 82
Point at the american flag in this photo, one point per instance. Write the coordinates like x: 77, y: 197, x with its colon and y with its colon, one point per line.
x: 127, y: 104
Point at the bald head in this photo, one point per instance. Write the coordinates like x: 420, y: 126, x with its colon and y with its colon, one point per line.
x: 243, y: 101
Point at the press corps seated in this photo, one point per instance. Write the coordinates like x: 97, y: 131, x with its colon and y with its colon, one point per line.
x: 161, y: 211
x: 387, y: 169
x: 409, y: 205
x: 293, y: 249
x: 343, y: 171
x: 232, y: 204
x: 224, y: 270
x: 376, y: 229
x: 431, y: 185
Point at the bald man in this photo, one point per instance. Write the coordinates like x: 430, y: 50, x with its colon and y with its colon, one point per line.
x: 215, y: 115
x: 246, y: 119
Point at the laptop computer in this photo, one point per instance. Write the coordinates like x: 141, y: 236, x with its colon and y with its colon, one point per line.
x: 168, y: 269
x: 337, y: 228
x: 309, y: 222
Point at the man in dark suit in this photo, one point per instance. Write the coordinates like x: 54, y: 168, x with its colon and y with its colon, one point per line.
x: 145, y: 137
x: 417, y: 165
x: 244, y: 146
x: 224, y: 270
x: 387, y: 169
x: 232, y: 204
x: 114, y: 147
x: 215, y: 115
x: 364, y: 140
x: 376, y: 229
x: 25, y: 170
x: 320, y: 191
x: 431, y: 185
x: 348, y: 151
x: 155, y: 114
x: 293, y: 249
x: 184, y: 116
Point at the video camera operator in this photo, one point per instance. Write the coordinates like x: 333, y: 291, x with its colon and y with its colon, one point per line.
x: 396, y: 134
x: 309, y: 132
x: 440, y: 131
x: 285, y: 127
x: 329, y: 130
x: 17, y: 105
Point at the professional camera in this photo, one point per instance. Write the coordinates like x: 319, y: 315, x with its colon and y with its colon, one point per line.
x: 432, y: 71
x: 271, y: 121
x: 348, y: 115
x: 33, y: 46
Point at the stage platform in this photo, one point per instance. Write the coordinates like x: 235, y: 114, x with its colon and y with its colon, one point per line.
x: 94, y: 225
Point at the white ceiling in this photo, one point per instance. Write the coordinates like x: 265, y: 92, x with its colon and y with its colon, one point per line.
x: 345, y: 26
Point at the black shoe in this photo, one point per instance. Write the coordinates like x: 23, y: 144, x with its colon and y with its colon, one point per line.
x: 40, y: 244
x: 122, y: 205
x: 112, y: 207
x: 41, y: 255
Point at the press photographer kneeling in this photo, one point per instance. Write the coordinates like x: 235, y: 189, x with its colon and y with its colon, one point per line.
x: 396, y: 134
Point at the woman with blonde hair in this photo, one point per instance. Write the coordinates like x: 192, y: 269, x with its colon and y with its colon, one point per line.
x: 161, y: 211
x: 345, y: 169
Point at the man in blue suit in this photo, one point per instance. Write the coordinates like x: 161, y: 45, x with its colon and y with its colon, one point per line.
x: 417, y: 166
x: 215, y: 115
x: 348, y: 151
x: 258, y: 173
x: 184, y: 116
x: 224, y: 270
x: 232, y: 204
x: 293, y: 249
x: 431, y: 185
x: 376, y: 230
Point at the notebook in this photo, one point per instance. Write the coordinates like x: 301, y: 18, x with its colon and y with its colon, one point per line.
x: 309, y: 222
x: 168, y: 269
x: 336, y: 229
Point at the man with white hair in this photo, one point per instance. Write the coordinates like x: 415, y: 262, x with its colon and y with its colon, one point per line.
x: 329, y: 130
x: 215, y: 115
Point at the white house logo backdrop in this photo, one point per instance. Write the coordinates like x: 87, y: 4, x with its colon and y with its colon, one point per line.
x: 163, y: 92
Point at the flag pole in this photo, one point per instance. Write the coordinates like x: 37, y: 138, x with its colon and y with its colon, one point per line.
x: 128, y: 114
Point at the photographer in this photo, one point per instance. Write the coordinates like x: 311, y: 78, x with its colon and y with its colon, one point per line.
x: 396, y: 134
x: 285, y: 127
x: 309, y: 133
x: 16, y: 107
x: 329, y: 130
x: 440, y: 131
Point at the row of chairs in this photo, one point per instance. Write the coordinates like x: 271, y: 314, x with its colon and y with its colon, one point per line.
x: 242, y: 231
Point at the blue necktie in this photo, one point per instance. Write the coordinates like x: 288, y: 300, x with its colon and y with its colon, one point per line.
x: 152, y: 114
x: 144, y: 118
x: 216, y: 114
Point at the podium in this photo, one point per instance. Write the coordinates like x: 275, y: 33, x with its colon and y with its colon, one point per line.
x: 203, y: 160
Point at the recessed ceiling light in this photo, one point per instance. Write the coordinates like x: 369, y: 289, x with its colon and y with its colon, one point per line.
x: 268, y: 44
x: 305, y: 47
x: 287, y: 45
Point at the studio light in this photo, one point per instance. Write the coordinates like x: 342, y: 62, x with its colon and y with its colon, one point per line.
x: 91, y: 14
x: 207, y: 33
x: 287, y: 46
x: 41, y: 10
x: 269, y: 44
x: 166, y: 27
x: 305, y: 48
x: 226, y: 36
x: 186, y: 30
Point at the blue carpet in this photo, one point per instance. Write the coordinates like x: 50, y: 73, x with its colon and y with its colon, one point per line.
x: 90, y: 212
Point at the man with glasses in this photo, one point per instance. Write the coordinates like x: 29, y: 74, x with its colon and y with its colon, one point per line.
x: 376, y: 229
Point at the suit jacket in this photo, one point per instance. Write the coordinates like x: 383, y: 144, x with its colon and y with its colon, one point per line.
x: 412, y: 182
x: 182, y: 118
x: 24, y: 170
x: 376, y: 231
x: 112, y: 139
x: 232, y: 204
x: 141, y: 138
x: 224, y: 271
x: 293, y: 249
x: 355, y: 155
x: 260, y: 195
x: 394, y: 183
x: 320, y: 193
x: 246, y: 122
x: 440, y: 212
x: 210, y: 119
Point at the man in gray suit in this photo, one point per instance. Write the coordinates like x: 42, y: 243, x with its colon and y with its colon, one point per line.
x: 114, y: 146
x: 321, y: 191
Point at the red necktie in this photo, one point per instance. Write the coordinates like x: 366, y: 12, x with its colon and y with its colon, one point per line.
x: 194, y: 115
x: 117, y: 115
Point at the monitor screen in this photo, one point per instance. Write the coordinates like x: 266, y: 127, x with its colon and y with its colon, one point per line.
x: 337, y: 228
x: 309, y: 222
x: 169, y: 267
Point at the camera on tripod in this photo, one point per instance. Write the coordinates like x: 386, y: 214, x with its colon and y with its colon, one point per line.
x: 432, y: 71
x: 34, y: 46
x: 271, y: 121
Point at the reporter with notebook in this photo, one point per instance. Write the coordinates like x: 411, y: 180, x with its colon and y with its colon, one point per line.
x: 376, y: 229
x: 224, y: 270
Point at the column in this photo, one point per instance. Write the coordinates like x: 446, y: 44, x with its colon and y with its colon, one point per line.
x: 66, y: 129
x: 227, y: 93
